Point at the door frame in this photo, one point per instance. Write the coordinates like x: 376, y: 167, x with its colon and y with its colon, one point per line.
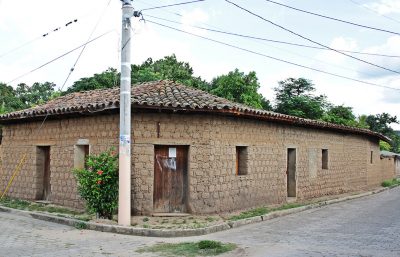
x: 291, y: 167
x: 43, y: 171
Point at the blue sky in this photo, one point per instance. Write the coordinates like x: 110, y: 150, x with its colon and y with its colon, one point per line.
x: 21, y: 21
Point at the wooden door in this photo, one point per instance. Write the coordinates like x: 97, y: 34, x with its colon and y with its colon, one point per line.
x: 170, y: 178
x: 291, y: 172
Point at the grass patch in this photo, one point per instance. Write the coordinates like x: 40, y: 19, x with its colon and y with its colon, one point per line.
x: 80, y: 225
x: 15, y: 203
x: 189, y: 249
x: 251, y: 213
x: 288, y: 206
x: 263, y: 210
x: 31, y: 206
x: 390, y: 182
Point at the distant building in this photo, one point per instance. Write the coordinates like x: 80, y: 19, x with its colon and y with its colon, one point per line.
x: 392, y: 157
x: 191, y: 151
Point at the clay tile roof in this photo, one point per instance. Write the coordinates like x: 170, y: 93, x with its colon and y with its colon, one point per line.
x: 164, y: 95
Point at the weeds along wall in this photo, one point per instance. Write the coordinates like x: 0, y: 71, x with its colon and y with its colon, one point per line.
x: 213, y: 183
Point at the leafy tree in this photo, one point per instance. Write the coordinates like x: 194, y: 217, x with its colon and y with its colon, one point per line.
x: 167, y: 68
x: 240, y: 87
x: 381, y: 123
x: 384, y: 146
x: 340, y: 114
x: 106, y: 79
x: 8, y: 100
x: 293, y: 97
x: 38, y: 93
x: 362, y: 122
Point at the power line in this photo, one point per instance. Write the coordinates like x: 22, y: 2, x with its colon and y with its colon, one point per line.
x: 273, y: 41
x: 280, y: 49
x: 39, y: 37
x: 175, y: 13
x: 372, y: 10
x: 335, y: 19
x: 170, y: 5
x: 70, y: 51
x: 274, y: 58
x: 310, y: 40
x: 84, y: 47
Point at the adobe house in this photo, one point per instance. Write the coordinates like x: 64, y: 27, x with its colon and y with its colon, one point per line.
x: 394, y: 157
x: 191, y: 151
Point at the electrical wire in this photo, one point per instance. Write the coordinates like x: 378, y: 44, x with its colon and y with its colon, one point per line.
x: 84, y: 47
x: 274, y: 58
x: 310, y: 40
x: 39, y: 37
x: 70, y: 51
x: 170, y: 5
x: 286, y: 51
x: 372, y: 10
x: 335, y: 19
x: 273, y: 41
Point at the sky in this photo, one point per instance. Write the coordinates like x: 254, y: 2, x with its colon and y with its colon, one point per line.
x: 22, y: 24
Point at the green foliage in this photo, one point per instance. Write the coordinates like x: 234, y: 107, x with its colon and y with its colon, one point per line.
x: 287, y: 206
x: 241, y: 88
x: 384, y: 145
x: 24, y: 96
x: 209, y: 244
x: 98, y: 183
x: 80, y: 225
x: 168, y: 68
x: 15, y: 203
x: 390, y: 183
x: 31, y: 206
x: 8, y: 100
x: 189, y: 249
x: 106, y: 79
x: 362, y: 122
x: 340, y: 114
x: 293, y: 97
x: 381, y: 123
x: 251, y: 213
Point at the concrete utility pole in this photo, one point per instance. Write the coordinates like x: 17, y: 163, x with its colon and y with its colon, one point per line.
x: 124, y: 197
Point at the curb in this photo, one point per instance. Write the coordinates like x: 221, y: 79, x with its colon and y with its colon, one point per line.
x: 179, y: 232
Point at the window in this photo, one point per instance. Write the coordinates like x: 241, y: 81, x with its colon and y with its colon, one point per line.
x: 372, y: 157
x: 324, y: 159
x: 241, y: 160
x: 80, y: 154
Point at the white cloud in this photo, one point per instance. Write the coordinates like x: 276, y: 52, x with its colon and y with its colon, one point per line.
x: 339, y: 43
x: 390, y: 47
x: 149, y: 43
x: 385, y: 6
x: 194, y: 18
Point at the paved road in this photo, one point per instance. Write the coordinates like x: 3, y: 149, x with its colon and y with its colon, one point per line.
x: 363, y: 227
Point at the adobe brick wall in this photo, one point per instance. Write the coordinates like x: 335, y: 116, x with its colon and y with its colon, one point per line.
x: 213, y: 185
x: 61, y: 136
x: 397, y: 166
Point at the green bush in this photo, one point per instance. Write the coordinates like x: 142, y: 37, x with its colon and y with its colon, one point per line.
x: 390, y: 182
x: 98, y: 183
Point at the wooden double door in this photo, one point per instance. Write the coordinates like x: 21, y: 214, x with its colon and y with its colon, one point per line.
x: 170, y: 179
